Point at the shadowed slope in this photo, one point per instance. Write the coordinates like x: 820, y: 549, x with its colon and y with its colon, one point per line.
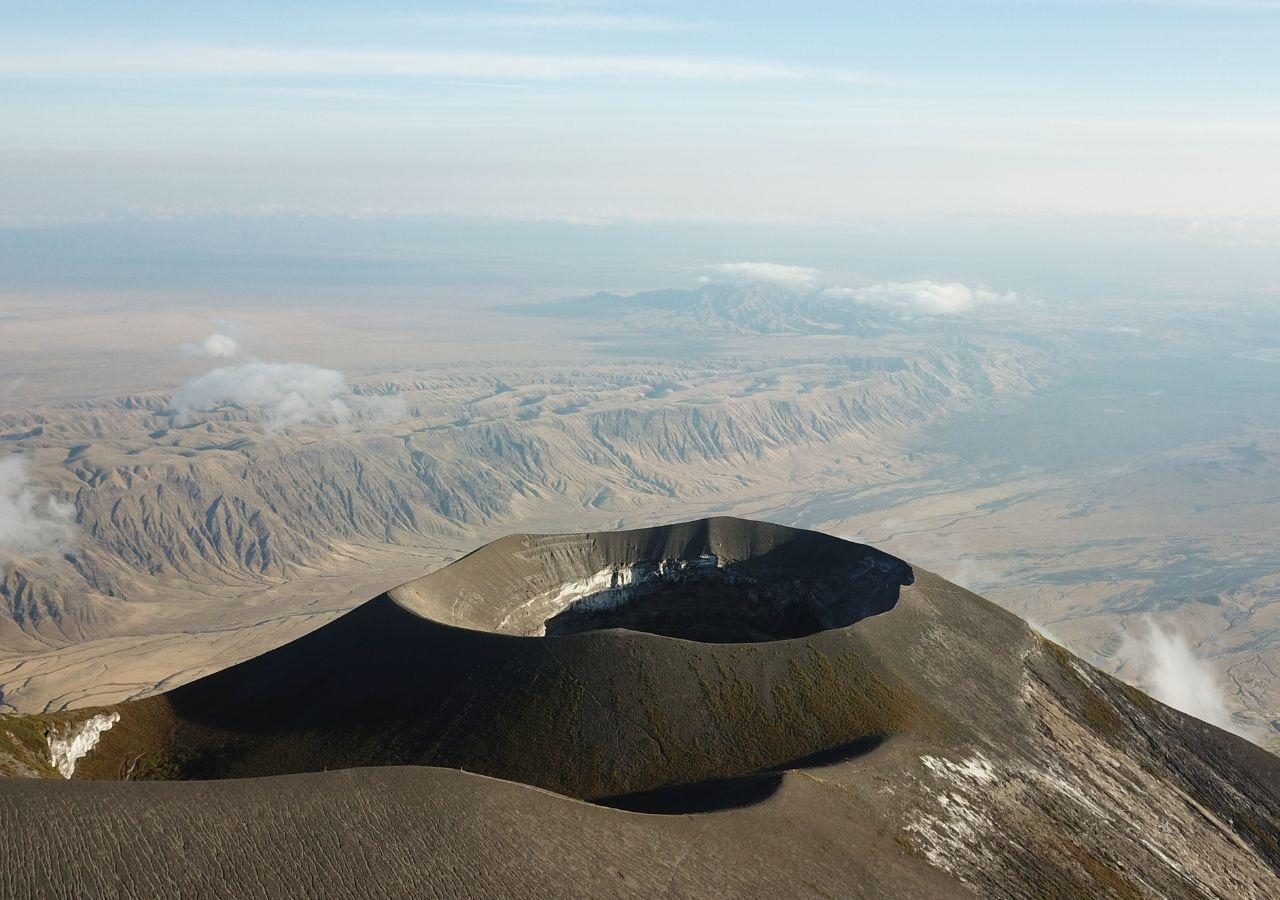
x: 598, y: 713
x: 392, y: 833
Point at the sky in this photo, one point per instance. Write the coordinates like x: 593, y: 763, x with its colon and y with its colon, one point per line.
x: 808, y: 114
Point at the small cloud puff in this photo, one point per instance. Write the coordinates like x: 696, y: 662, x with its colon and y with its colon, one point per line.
x: 32, y: 522
x: 284, y: 394
x: 215, y: 346
x: 1174, y: 675
x: 928, y: 297
x: 796, y: 278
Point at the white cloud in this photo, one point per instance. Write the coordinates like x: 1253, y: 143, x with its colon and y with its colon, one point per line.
x: 168, y: 60
x: 796, y: 278
x: 930, y: 297
x: 32, y: 522
x: 284, y: 394
x: 215, y: 346
x: 1174, y: 675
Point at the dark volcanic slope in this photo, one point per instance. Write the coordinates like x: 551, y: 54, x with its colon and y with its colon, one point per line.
x: 417, y: 832
x: 808, y: 717
x: 409, y: 678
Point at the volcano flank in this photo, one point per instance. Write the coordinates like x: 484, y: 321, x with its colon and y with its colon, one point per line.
x: 720, y: 707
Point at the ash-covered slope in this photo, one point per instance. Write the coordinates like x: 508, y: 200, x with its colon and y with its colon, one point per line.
x: 421, y: 832
x: 443, y: 671
x: 809, y: 714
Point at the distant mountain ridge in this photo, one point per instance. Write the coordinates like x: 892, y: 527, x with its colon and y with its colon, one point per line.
x: 755, y: 309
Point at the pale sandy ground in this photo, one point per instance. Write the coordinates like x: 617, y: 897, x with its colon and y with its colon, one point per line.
x: 72, y: 347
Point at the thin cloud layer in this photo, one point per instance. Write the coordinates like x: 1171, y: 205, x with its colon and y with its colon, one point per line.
x: 926, y: 297
x: 215, y: 346
x: 922, y: 297
x: 796, y: 278
x: 33, y: 523
x: 205, y: 61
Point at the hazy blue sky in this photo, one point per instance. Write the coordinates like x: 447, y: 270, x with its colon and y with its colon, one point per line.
x: 651, y: 112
